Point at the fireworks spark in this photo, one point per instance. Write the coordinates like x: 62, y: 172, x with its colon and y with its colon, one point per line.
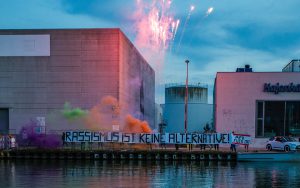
x: 155, y: 28
x: 192, y: 8
x: 176, y: 28
x: 173, y: 27
x: 209, y: 11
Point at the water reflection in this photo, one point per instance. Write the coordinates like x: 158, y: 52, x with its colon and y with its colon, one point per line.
x: 37, y: 173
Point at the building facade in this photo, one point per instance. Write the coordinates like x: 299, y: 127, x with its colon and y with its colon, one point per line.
x: 262, y: 104
x: 41, y: 69
x: 199, y: 111
x: 158, y: 116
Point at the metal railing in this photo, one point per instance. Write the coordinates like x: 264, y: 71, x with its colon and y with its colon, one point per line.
x: 202, y: 85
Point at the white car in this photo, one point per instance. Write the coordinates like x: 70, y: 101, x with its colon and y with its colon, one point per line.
x: 284, y: 143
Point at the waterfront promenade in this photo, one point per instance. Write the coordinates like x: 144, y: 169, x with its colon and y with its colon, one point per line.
x: 118, y: 154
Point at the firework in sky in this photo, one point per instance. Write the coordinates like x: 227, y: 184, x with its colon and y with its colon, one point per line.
x: 209, y: 11
x: 155, y: 26
x: 192, y: 8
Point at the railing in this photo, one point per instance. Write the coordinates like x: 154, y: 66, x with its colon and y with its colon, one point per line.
x: 189, y: 85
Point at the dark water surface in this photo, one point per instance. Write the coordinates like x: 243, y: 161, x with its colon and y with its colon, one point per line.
x: 43, y: 173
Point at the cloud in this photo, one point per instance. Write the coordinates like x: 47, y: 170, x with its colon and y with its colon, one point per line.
x: 264, y: 34
x: 225, y: 58
x: 114, y: 11
x: 18, y: 14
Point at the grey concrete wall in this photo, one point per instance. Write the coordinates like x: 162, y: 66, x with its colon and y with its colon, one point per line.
x: 158, y: 115
x: 137, y: 83
x: 83, y: 66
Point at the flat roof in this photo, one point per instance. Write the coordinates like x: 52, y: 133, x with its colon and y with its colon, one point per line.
x: 291, y: 62
x: 116, y: 28
x: 261, y: 72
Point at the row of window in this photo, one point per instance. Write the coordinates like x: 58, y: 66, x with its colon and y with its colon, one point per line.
x: 277, y: 118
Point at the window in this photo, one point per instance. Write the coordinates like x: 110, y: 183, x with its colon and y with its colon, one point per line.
x: 274, y: 118
x: 259, y: 123
x: 277, y: 118
x: 293, y: 118
x: 278, y: 139
x: 4, y: 121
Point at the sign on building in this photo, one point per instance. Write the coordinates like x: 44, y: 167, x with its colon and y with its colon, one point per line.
x: 25, y: 45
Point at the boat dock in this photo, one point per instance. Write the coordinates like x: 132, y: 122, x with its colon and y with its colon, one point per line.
x: 175, y: 155
x: 269, y: 156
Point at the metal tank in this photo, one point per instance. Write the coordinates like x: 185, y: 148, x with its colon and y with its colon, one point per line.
x: 199, y: 111
x: 175, y: 93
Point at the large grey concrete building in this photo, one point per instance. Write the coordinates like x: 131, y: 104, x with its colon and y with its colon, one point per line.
x: 41, y: 69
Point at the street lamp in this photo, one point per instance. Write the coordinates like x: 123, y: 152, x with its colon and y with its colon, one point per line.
x: 186, y: 97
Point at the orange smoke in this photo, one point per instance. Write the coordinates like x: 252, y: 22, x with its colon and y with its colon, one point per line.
x: 93, y: 121
x: 102, y: 116
x: 109, y: 100
x: 111, y: 105
x: 134, y: 125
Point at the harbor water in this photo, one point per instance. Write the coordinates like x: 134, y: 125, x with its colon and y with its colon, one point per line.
x: 60, y: 173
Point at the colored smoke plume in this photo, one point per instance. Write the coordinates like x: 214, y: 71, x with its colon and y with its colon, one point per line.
x: 31, y: 137
x: 108, y: 113
x: 73, y: 113
x: 133, y: 125
x: 110, y: 105
x: 102, y: 116
x: 93, y: 121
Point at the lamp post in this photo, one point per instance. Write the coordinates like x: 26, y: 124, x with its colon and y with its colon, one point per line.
x: 186, y: 97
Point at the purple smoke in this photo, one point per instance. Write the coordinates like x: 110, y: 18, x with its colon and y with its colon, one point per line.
x: 31, y: 137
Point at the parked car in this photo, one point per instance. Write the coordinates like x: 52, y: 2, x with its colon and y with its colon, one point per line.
x: 284, y: 143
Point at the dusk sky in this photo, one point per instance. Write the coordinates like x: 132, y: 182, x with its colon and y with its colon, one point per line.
x: 264, y: 34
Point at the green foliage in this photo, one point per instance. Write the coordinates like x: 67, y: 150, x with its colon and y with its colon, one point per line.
x: 73, y: 113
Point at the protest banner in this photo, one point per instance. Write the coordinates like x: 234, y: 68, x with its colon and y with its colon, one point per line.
x: 240, y: 139
x: 147, y: 138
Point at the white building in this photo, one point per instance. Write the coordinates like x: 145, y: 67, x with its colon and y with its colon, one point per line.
x: 262, y: 104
